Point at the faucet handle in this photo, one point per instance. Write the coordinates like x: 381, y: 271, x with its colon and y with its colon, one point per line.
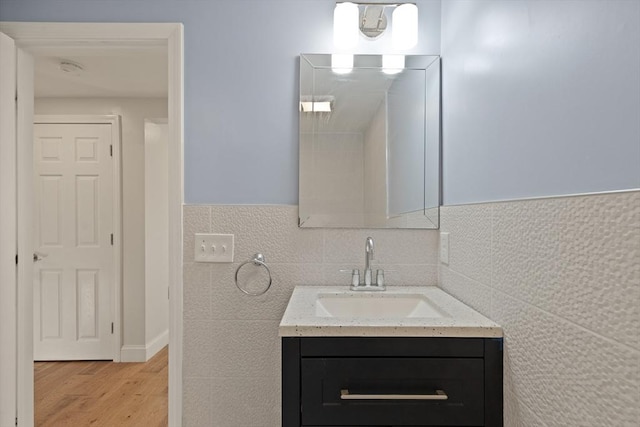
x: 380, y: 277
x: 355, y: 276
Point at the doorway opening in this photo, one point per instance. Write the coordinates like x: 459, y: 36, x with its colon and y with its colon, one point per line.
x: 33, y: 37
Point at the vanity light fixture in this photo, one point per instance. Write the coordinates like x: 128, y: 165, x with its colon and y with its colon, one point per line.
x: 342, y: 63
x: 392, y: 64
x: 369, y: 20
x: 345, y: 36
x: 404, y: 33
x: 345, y: 25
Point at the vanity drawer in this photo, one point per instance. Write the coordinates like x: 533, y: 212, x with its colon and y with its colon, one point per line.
x: 347, y: 391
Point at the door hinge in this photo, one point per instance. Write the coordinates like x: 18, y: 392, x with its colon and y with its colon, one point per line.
x: 16, y: 259
x: 111, y: 150
x: 112, y: 327
x: 111, y: 239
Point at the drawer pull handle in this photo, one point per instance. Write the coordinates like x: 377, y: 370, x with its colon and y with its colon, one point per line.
x: 439, y: 395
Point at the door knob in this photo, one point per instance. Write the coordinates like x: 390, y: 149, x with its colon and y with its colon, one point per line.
x: 39, y: 256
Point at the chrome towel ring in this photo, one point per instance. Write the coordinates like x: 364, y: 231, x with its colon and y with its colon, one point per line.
x: 258, y: 260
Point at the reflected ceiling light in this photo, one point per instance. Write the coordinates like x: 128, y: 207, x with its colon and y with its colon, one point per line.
x: 341, y: 63
x: 392, y: 64
x: 316, y: 104
x: 315, y: 107
x: 345, y: 25
x: 404, y: 31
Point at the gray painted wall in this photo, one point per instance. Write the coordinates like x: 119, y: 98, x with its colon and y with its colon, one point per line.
x: 540, y: 98
x: 241, y: 81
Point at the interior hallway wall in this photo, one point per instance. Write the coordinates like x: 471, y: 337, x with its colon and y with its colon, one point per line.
x: 133, y: 112
x: 156, y: 226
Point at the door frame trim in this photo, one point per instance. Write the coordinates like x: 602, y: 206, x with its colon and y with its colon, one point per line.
x: 8, y: 233
x: 37, y: 34
x: 114, y: 121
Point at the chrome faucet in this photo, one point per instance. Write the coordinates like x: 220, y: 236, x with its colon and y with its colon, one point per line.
x: 368, y: 256
x: 368, y: 284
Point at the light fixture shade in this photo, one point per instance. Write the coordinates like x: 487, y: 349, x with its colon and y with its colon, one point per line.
x: 345, y: 25
x: 392, y: 64
x: 341, y: 63
x: 405, y: 26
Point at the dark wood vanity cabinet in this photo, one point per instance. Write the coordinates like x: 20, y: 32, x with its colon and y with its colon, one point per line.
x: 372, y: 381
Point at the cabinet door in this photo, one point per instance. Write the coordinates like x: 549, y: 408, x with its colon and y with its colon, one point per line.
x: 392, y: 391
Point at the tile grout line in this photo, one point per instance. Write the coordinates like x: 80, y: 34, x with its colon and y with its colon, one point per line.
x: 570, y: 322
x: 491, y: 250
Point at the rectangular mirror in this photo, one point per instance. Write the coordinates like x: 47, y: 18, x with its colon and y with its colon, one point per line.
x: 369, y: 143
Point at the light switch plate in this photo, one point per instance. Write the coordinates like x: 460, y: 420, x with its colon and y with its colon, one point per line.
x: 213, y: 247
x: 444, y: 248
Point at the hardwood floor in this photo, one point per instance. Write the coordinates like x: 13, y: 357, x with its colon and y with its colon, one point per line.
x: 102, y: 393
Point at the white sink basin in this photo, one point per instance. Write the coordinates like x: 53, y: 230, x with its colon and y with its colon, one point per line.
x: 369, y: 305
x: 400, y: 311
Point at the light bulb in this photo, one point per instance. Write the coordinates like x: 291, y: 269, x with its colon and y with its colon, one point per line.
x: 345, y: 25
x: 404, y: 33
x: 341, y: 63
x: 392, y: 64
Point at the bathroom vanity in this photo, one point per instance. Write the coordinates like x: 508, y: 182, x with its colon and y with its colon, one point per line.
x: 408, y: 356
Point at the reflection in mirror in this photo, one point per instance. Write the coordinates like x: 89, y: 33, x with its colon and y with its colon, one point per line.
x: 370, y: 143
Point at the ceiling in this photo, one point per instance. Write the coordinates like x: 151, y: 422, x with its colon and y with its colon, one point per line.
x: 356, y: 97
x: 108, y: 72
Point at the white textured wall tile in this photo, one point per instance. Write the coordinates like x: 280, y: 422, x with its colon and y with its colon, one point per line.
x: 517, y: 414
x: 525, y: 248
x: 245, y: 402
x: 409, y: 274
x: 197, y: 219
x: 198, y: 349
x: 197, y: 402
x: 570, y: 375
x: 228, y: 302
x: 598, y: 283
x: 244, y: 348
x: 197, y: 291
x: 470, y: 240
x: 565, y: 286
x: 618, y: 208
x: 344, y: 246
x: 395, y: 274
x: 472, y: 293
x: 270, y: 230
x: 584, y: 271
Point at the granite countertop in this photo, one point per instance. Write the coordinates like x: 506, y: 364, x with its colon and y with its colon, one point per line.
x: 456, y: 320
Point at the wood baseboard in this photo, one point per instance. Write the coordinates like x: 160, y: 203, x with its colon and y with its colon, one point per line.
x: 142, y: 353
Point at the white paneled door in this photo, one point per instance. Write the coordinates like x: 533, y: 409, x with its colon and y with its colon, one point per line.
x: 74, y: 222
